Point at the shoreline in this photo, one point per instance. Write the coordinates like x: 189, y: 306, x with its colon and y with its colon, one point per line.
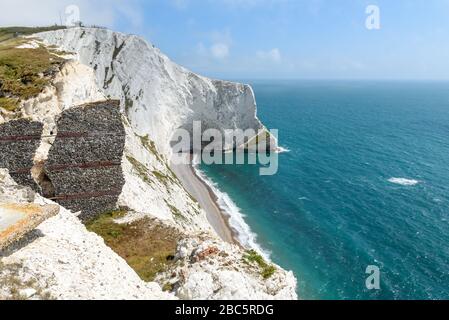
x: 208, y: 201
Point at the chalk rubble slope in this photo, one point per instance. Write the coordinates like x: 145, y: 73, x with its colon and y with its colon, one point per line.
x: 210, y: 269
x: 67, y: 261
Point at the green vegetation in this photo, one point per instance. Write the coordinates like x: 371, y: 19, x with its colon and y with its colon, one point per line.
x: 150, y: 146
x: 14, y: 32
x: 140, y: 168
x: 168, y: 287
x: 147, y: 246
x: 267, y: 270
x: 175, y: 211
x: 128, y: 101
x: 9, y: 104
x: 163, y: 178
x: 144, y: 173
x: 24, y: 73
x: 104, y: 223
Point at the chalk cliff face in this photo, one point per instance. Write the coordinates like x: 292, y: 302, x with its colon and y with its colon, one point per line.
x: 156, y: 97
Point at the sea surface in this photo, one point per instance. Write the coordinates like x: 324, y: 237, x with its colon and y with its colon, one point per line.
x: 365, y: 183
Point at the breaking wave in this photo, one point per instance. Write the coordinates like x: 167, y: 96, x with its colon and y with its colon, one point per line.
x: 245, y: 236
x: 404, y: 181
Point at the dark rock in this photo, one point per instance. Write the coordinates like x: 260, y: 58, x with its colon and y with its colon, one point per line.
x: 19, y: 140
x: 84, y: 163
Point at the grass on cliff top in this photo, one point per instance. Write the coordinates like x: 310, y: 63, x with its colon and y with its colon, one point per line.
x: 24, y: 73
x: 13, y: 32
x: 147, y: 246
x: 267, y: 270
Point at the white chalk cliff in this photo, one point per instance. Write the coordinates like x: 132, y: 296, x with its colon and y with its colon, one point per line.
x: 157, y: 97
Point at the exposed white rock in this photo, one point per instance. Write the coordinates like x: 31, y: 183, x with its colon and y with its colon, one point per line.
x: 158, y: 95
x: 10, y: 192
x: 211, y: 269
x: 29, y: 45
x: 27, y: 293
x: 72, y: 263
x: 159, y: 192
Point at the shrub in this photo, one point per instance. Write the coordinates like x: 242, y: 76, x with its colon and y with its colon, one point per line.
x: 267, y: 270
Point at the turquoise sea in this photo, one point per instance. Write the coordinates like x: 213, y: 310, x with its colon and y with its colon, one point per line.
x: 366, y: 182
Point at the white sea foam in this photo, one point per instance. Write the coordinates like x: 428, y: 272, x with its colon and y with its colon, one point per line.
x: 245, y: 236
x: 282, y: 150
x: 404, y: 181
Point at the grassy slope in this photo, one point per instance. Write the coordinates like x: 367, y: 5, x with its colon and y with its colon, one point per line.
x: 24, y: 73
x: 148, y: 247
x: 13, y: 32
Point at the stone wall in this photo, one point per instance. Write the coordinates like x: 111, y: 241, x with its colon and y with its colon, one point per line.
x: 19, y: 140
x: 84, y: 163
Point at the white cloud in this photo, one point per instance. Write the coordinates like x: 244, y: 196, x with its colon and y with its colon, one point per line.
x: 217, y: 51
x: 131, y: 13
x: 273, y: 55
x: 233, y: 4
x: 218, y: 45
x: 201, y: 49
x: 221, y: 37
x: 46, y: 12
x: 251, y: 3
x: 220, y: 50
x: 180, y: 4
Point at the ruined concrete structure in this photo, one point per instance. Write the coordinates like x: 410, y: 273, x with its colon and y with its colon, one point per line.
x: 19, y: 140
x: 84, y: 163
x: 83, y: 168
x: 16, y: 220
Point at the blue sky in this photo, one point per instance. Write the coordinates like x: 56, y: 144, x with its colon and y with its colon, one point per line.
x: 300, y: 39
